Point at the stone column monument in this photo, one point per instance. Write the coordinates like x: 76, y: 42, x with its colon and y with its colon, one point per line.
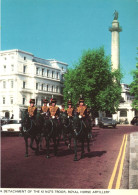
x: 115, y: 50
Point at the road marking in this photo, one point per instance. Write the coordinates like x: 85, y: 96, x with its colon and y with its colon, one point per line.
x: 116, y: 165
x: 121, y: 166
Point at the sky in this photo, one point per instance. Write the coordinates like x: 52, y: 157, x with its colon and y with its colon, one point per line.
x: 63, y: 29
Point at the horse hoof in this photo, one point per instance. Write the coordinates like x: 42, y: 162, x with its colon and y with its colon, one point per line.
x: 82, y: 155
x: 75, y: 159
x: 26, y: 155
x: 47, y: 157
x: 69, y: 146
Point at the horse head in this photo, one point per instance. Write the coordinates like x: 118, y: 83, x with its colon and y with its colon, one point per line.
x: 64, y: 118
x: 76, y: 123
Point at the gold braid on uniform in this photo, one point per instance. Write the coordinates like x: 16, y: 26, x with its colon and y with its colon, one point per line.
x: 44, y: 108
x: 53, y: 110
x: 31, y: 110
x: 69, y: 111
x: 81, y: 110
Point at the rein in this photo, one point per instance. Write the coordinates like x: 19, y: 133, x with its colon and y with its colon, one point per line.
x: 27, y: 131
x: 52, y: 127
x: 80, y: 128
x: 67, y: 125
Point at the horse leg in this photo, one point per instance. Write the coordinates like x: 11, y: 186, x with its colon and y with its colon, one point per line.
x: 69, y: 145
x: 75, y: 149
x: 65, y: 139
x: 26, y: 146
x: 88, y: 144
x: 82, y: 149
x: 47, y: 147
x: 37, y: 145
x: 41, y: 137
x: 31, y: 143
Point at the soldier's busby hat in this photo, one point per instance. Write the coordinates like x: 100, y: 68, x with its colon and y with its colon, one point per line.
x: 69, y: 102
x: 32, y: 101
x: 45, y: 101
x: 53, y: 100
x: 81, y: 100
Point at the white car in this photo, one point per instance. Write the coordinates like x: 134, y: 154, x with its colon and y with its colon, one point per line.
x: 12, y: 126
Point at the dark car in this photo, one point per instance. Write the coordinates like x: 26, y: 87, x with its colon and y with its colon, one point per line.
x: 107, y: 122
x: 134, y: 121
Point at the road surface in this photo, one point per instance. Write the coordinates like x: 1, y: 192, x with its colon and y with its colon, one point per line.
x: 99, y: 169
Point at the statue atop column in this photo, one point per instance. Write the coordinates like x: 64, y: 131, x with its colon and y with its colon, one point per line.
x: 115, y: 15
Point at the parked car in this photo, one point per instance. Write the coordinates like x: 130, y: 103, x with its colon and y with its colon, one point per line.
x: 107, y: 122
x: 135, y: 121
x: 4, y: 121
x: 13, y: 126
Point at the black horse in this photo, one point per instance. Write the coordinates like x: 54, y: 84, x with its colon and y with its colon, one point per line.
x: 80, y: 133
x: 30, y: 129
x: 51, y: 131
x: 66, y: 124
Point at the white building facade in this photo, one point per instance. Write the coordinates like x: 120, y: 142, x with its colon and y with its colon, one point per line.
x: 125, y: 111
x: 24, y: 76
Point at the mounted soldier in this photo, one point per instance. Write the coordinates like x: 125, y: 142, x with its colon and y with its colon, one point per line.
x: 63, y: 108
x: 32, y: 110
x: 70, y: 110
x: 54, y: 110
x: 29, y: 127
x: 44, y: 108
x: 83, y: 113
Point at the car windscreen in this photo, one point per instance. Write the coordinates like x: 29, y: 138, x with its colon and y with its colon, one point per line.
x: 13, y: 122
x: 107, y: 119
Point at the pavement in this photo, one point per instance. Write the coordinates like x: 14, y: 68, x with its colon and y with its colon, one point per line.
x: 133, y: 161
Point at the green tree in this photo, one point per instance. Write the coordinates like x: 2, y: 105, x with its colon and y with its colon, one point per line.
x: 92, y: 77
x: 134, y: 87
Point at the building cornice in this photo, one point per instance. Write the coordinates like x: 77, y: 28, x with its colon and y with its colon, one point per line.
x: 15, y: 50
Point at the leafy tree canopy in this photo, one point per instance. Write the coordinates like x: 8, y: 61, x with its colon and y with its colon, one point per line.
x: 92, y: 77
x: 134, y: 87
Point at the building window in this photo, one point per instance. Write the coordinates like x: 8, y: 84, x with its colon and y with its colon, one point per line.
x: 4, y: 84
x: 24, y: 84
x: 47, y: 87
x: 47, y: 73
x: 11, y: 100
x: 4, y: 68
x: 24, y: 58
x: 52, y: 74
x: 52, y: 88
x: 24, y: 69
x: 37, y: 70
x: 3, y: 100
x: 57, y: 75
x: 62, y: 68
x: 123, y: 113
x: 42, y: 86
x: 12, y: 67
x: 23, y: 100
x: 37, y: 86
x: 5, y: 58
x: 57, y: 89
x: 11, y: 84
x: 42, y: 71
